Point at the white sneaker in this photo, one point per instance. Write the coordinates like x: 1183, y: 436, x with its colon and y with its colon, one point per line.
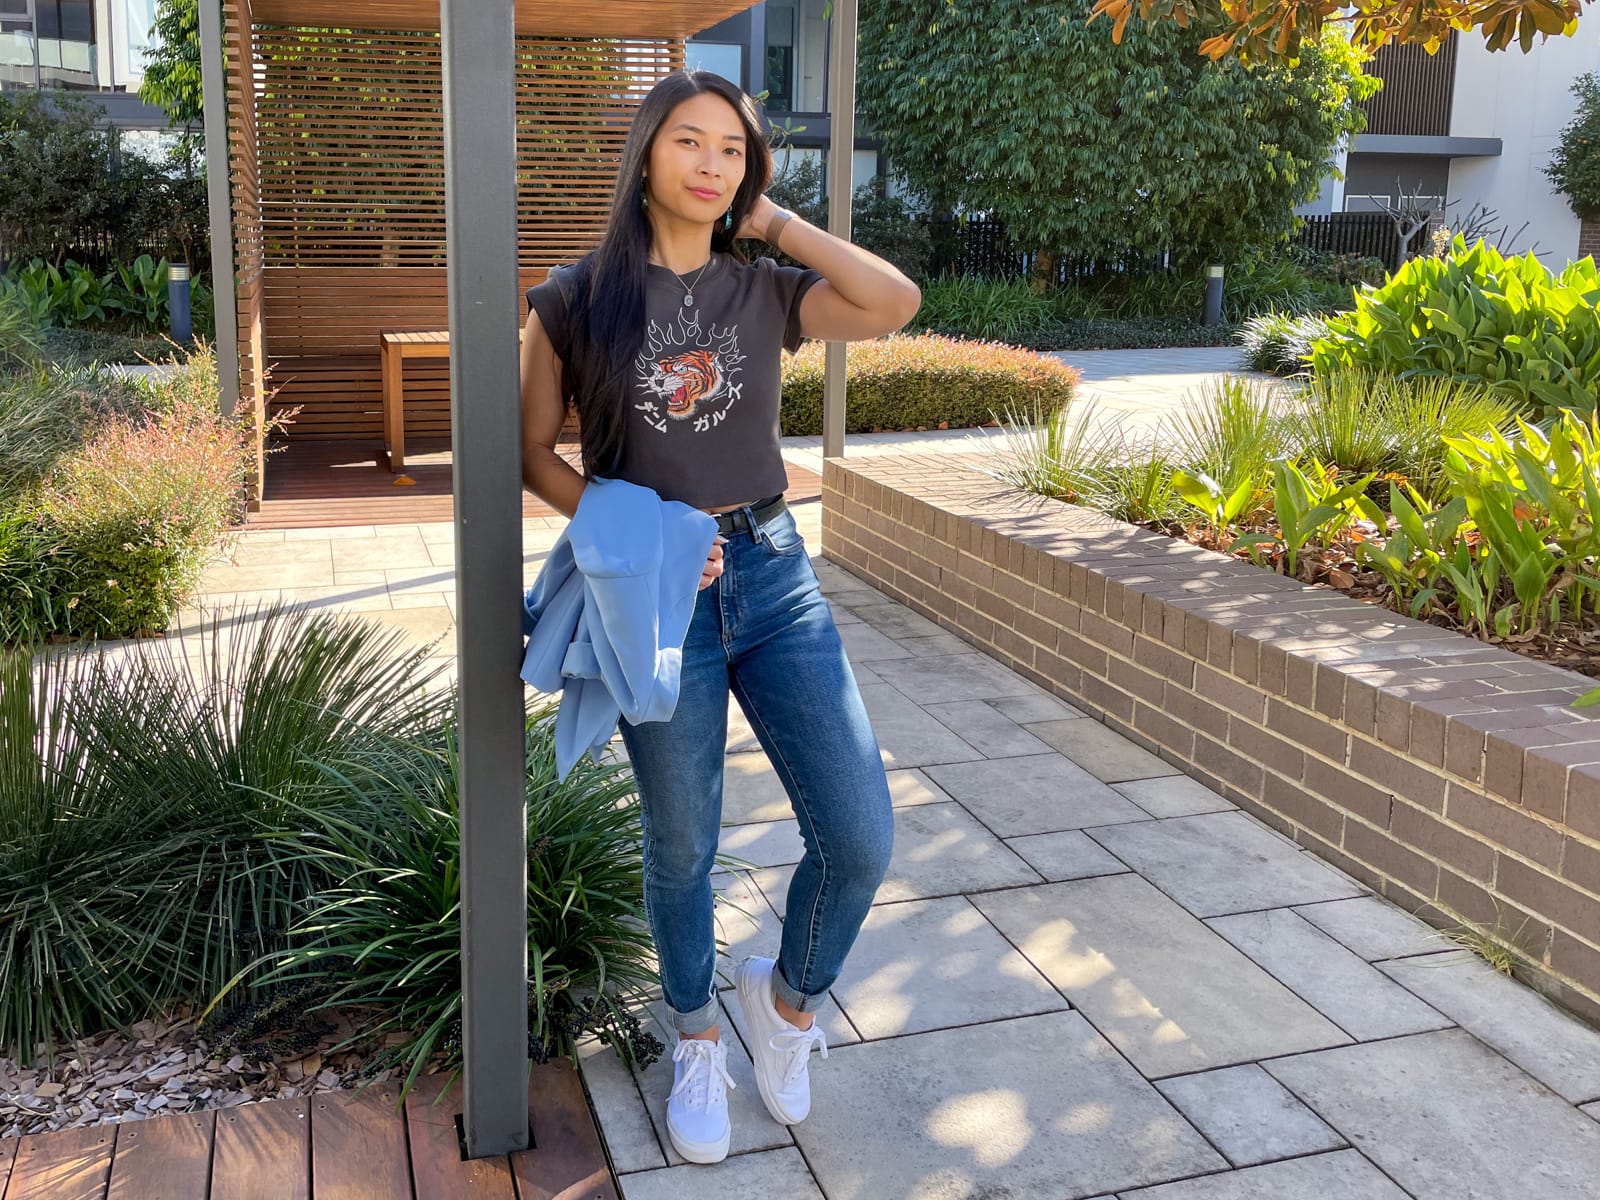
x: 697, y: 1106
x: 780, y: 1052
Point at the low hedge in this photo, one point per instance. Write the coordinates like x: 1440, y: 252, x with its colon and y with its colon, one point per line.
x: 924, y: 381
x: 1111, y: 333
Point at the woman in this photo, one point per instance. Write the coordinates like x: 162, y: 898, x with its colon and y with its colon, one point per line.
x: 667, y: 344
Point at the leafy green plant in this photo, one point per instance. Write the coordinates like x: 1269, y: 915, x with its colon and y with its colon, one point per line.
x: 1477, y: 315
x: 924, y: 381
x: 1220, y: 507
x: 1138, y: 487
x: 1309, y: 502
x: 1411, y: 556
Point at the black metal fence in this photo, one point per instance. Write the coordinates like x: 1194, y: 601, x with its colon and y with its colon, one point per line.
x: 1369, y: 234
x: 980, y: 247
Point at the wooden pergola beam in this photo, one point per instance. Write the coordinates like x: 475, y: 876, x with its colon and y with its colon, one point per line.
x: 545, y: 18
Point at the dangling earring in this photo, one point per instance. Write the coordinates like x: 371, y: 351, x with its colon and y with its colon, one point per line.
x: 644, y: 198
x: 727, y: 219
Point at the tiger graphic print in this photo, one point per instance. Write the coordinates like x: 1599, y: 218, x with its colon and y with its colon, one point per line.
x: 687, y: 373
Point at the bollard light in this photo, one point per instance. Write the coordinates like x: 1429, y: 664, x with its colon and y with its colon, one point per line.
x: 1213, y: 305
x: 181, y: 325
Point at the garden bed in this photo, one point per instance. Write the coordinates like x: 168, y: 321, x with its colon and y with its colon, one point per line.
x: 1450, y: 775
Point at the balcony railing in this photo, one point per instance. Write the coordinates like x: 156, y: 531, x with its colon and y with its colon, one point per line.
x: 1418, y: 88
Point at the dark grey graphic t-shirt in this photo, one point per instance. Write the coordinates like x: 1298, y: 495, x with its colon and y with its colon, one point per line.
x: 702, y: 420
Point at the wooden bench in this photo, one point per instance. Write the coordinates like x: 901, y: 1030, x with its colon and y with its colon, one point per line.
x: 393, y: 350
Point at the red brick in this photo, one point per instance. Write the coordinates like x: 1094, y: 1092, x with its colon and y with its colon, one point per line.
x: 1236, y: 697
x: 1146, y: 685
x: 1228, y: 765
x: 1550, y: 897
x: 1338, y: 785
x: 1379, y: 850
x: 1172, y: 735
x: 1276, y: 753
x: 1504, y: 824
x: 1395, y: 773
x: 1423, y: 831
x: 1575, y: 959
x: 1315, y: 733
x: 1300, y: 806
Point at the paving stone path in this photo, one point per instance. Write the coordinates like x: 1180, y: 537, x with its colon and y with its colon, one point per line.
x: 1085, y: 976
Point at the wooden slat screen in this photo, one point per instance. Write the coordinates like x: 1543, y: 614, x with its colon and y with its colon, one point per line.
x: 1418, y: 89
x: 348, y: 131
x: 244, y: 178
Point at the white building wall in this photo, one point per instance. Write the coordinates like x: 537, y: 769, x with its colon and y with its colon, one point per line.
x: 1525, y: 100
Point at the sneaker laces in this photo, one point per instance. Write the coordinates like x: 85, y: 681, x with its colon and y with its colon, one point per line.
x: 704, y: 1074
x: 797, y: 1043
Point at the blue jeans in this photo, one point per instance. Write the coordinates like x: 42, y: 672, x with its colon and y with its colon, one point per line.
x: 763, y: 632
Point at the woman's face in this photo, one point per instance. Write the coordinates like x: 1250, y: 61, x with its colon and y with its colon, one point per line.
x: 697, y: 160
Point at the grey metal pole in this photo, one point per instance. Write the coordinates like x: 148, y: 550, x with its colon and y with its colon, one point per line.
x: 219, y: 200
x: 179, y: 325
x: 1212, y: 313
x: 841, y: 152
x: 480, y: 159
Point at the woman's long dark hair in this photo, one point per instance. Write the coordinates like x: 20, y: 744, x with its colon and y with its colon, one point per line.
x: 606, y: 297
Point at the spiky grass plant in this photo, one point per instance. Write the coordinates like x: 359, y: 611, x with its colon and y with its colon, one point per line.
x: 1062, y: 455
x: 1231, y: 432
x: 135, y: 783
x: 388, y: 933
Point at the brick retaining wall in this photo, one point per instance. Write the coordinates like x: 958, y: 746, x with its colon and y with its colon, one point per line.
x: 1589, y: 238
x: 1448, y: 775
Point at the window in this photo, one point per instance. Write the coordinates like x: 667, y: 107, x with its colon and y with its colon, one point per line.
x: 719, y: 58
x: 797, y: 56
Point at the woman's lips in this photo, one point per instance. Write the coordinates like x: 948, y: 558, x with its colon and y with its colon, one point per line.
x: 705, y: 195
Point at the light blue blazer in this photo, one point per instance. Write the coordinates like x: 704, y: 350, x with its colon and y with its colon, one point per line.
x: 606, y: 618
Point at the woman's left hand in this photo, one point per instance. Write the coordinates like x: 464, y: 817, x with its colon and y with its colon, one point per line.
x: 755, y: 225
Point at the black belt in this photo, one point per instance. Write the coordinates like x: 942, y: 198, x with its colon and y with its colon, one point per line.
x: 740, y: 518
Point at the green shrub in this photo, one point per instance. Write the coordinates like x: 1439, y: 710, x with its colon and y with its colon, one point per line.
x: 137, y: 511
x: 1280, y: 343
x: 924, y: 382
x: 133, y: 295
x: 985, y: 309
x: 46, y: 413
x: 1476, y: 314
x: 29, y: 578
x: 388, y: 838
x: 134, y: 789
x: 1237, y: 427
x: 1116, y: 334
x: 1574, y: 165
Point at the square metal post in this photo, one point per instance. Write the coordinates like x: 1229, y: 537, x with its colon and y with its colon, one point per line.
x: 480, y: 158
x: 841, y: 164
x: 219, y: 200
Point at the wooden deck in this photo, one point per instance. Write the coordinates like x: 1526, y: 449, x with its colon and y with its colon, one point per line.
x: 320, y: 1147
x: 311, y: 484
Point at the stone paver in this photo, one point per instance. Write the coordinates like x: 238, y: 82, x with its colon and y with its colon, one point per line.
x: 1168, y: 992
x: 1173, y: 796
x: 1554, y: 1047
x: 1374, y: 928
x: 770, y: 1173
x: 1338, y: 984
x: 1344, y: 1175
x: 1248, y: 1115
x: 1071, y: 854
x: 1101, y: 751
x: 1008, y: 892
x: 933, y: 964
x: 980, y: 1111
x: 986, y: 729
x: 1443, y: 1115
x: 1042, y: 793
x: 1201, y: 863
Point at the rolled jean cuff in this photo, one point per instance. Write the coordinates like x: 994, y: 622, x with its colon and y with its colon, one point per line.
x: 798, y: 1001
x: 700, y: 1020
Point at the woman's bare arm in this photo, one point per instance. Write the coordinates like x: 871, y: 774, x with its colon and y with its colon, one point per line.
x: 860, y: 295
x: 544, y: 472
